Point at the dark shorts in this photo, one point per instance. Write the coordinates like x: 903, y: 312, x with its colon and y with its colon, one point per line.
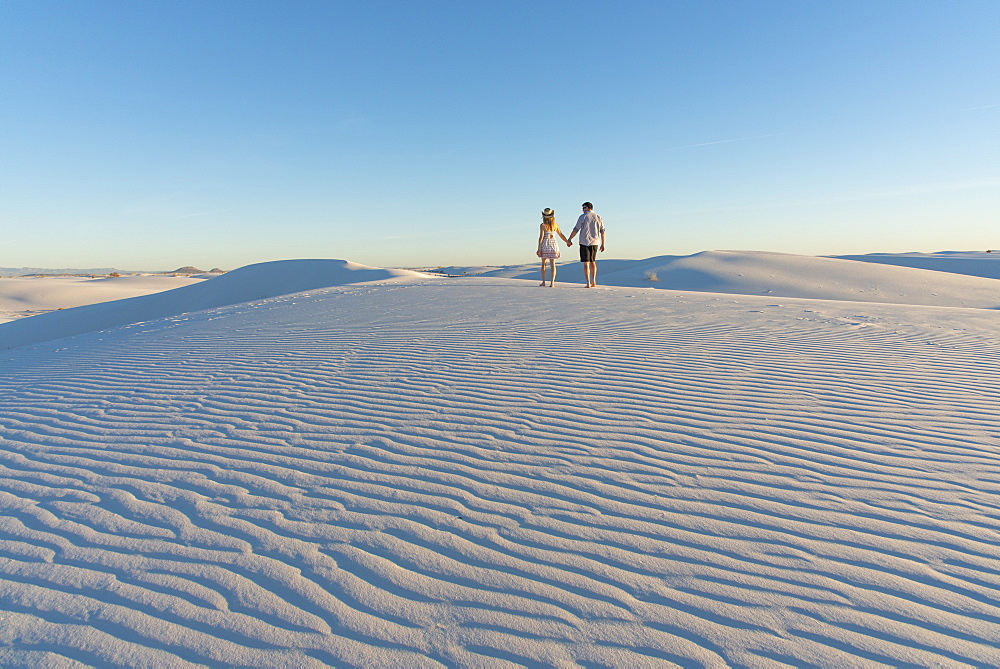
x: 588, y: 253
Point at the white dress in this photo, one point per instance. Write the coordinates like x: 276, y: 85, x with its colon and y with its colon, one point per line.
x: 550, y: 247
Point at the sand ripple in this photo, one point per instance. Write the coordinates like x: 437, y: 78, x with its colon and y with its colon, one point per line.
x: 496, y: 475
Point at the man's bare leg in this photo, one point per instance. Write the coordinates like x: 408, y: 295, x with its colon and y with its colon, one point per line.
x: 590, y: 272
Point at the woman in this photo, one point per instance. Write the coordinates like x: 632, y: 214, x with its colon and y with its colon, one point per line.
x: 548, y: 247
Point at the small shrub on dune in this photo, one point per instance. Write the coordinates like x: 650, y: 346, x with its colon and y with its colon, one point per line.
x: 650, y: 276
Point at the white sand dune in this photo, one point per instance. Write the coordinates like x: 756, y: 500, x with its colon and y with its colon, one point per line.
x: 28, y: 296
x: 419, y: 472
x: 246, y: 284
x: 743, y: 272
x: 973, y: 263
x: 782, y: 275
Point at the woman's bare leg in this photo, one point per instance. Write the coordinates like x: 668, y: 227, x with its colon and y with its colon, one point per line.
x: 543, y: 273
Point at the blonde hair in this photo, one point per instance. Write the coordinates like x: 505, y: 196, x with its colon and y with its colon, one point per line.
x: 550, y: 222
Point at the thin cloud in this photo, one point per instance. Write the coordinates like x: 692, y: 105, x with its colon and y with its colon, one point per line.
x: 720, y: 141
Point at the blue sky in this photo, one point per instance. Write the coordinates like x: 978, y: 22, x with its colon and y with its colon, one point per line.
x: 153, y: 134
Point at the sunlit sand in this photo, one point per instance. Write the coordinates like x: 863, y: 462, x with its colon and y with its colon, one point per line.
x: 727, y: 459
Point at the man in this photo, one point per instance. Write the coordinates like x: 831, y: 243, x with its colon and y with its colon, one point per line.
x: 591, y: 229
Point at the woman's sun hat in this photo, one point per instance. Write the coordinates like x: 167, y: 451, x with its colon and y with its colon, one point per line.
x: 548, y: 212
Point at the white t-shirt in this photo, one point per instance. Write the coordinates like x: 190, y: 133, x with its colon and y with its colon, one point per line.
x: 591, y: 227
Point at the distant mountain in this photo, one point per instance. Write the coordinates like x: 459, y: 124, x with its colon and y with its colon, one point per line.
x: 96, y: 271
x: 29, y: 271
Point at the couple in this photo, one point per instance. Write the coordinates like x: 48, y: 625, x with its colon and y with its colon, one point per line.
x: 591, y: 229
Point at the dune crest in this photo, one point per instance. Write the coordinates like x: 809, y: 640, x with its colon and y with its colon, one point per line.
x: 246, y: 284
x: 784, y: 275
x: 731, y: 272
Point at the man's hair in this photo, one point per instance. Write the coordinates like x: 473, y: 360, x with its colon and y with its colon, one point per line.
x: 588, y: 205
